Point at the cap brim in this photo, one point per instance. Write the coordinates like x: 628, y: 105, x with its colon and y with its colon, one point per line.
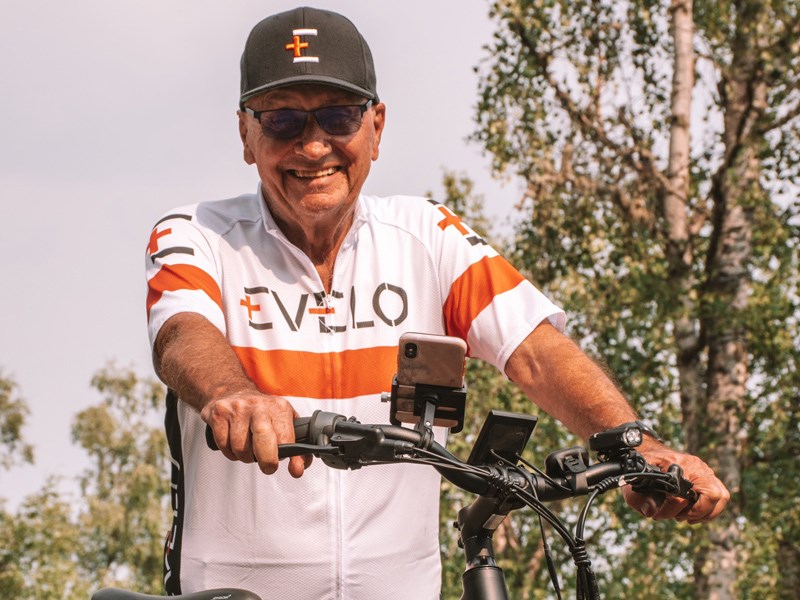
x: 306, y: 78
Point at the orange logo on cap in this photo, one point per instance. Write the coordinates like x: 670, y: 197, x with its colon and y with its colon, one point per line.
x: 296, y: 45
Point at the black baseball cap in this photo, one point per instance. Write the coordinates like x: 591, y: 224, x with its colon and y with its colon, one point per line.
x: 307, y: 45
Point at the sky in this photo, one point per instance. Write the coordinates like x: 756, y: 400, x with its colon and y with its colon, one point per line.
x: 114, y: 112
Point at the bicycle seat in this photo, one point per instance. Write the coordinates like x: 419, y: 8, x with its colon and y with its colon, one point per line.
x: 216, y: 594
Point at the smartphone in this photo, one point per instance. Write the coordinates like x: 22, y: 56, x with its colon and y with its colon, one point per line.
x: 425, y: 361
x: 430, y: 359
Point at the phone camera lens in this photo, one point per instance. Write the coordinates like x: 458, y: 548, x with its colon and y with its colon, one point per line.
x: 410, y: 350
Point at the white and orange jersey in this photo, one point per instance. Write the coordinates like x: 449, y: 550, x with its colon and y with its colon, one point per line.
x: 407, y: 264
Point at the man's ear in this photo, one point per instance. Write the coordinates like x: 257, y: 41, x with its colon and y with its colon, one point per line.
x: 248, y: 155
x: 379, y: 121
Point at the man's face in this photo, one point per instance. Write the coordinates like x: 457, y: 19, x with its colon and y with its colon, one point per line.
x: 315, y: 175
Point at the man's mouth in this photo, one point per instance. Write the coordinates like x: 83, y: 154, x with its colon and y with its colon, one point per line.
x: 314, y: 174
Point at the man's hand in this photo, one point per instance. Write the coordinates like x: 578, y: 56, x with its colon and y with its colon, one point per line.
x: 248, y: 426
x: 193, y: 358
x: 713, y: 493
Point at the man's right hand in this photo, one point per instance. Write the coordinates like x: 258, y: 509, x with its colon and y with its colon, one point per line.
x: 194, y: 359
x: 248, y: 426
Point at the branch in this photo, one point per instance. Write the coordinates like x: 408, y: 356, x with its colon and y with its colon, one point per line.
x: 790, y: 116
x: 592, y: 129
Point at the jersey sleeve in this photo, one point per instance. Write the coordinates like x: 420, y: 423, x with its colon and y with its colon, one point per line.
x: 182, y: 273
x: 488, y: 302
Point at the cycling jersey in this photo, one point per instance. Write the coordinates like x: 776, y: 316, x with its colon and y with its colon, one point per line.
x: 407, y: 264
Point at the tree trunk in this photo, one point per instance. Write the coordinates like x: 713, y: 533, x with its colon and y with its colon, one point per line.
x: 726, y: 297
x: 723, y: 436
x: 679, y: 250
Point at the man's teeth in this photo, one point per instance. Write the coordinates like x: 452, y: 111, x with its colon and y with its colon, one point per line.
x: 312, y: 174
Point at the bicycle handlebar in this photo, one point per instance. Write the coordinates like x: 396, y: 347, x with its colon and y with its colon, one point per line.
x: 501, y: 487
x: 347, y: 444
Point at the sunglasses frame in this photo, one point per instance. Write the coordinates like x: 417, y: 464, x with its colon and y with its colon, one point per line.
x: 256, y: 114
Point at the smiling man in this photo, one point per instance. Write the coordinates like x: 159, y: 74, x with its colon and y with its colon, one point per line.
x: 274, y: 304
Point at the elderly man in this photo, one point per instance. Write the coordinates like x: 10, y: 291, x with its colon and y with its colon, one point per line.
x: 270, y: 305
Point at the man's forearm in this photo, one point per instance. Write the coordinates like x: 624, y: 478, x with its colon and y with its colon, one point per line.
x: 192, y: 357
x: 567, y: 384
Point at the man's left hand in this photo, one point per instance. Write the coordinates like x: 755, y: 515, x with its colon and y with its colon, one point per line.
x: 713, y: 495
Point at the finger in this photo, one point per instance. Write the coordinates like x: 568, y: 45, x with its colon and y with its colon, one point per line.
x: 297, y: 466
x: 709, y: 505
x: 644, y: 505
x: 670, y: 509
x: 241, y: 440
x: 223, y: 440
x: 712, y: 497
x: 719, y: 506
x: 219, y: 428
x: 265, y: 446
x: 284, y: 426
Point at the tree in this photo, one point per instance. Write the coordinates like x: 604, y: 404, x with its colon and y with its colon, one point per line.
x: 125, y: 492
x: 38, y: 549
x: 59, y: 547
x: 659, y: 143
x: 13, y: 412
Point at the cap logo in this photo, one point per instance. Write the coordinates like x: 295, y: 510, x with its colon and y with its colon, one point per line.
x: 296, y: 45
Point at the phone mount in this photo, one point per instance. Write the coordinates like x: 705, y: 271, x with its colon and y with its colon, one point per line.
x: 428, y: 405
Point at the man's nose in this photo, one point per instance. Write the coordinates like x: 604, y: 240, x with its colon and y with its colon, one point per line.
x: 313, y: 141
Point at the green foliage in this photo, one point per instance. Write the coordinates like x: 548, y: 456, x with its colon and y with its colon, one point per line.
x: 126, y: 489
x: 38, y: 549
x: 13, y: 411
x: 55, y: 547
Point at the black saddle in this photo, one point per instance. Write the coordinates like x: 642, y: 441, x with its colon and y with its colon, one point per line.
x: 217, y: 594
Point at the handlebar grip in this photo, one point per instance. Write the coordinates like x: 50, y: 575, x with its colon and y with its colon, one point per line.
x: 302, y: 433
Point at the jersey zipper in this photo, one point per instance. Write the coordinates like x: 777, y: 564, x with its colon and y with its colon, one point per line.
x: 327, y: 342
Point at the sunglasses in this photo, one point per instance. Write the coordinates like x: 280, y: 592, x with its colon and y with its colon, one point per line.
x: 287, y: 123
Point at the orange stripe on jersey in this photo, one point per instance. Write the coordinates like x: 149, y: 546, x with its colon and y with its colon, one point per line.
x: 474, y: 290
x: 181, y: 277
x: 345, y: 374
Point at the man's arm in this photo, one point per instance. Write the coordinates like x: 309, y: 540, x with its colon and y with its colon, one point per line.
x: 194, y: 359
x: 568, y: 385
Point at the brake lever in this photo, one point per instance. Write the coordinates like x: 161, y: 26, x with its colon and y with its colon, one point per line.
x: 289, y: 450
x: 672, y: 484
x: 683, y: 486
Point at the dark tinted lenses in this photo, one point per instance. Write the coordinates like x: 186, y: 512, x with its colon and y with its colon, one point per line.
x: 339, y: 120
x: 286, y: 123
